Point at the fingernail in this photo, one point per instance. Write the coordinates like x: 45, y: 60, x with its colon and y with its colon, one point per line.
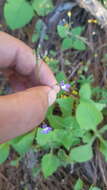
x: 51, y: 97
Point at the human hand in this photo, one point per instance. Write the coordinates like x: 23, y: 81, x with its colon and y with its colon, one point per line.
x: 34, y: 90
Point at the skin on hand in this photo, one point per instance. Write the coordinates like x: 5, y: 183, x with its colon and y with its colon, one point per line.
x: 34, y: 91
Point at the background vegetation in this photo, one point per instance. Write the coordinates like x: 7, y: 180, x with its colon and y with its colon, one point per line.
x: 73, y: 154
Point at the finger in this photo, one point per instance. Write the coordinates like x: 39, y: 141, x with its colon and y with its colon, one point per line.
x: 16, y: 81
x: 14, y: 53
x: 43, y: 75
x: 21, y: 112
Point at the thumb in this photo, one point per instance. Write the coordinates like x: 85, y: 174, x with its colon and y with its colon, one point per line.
x: 22, y: 111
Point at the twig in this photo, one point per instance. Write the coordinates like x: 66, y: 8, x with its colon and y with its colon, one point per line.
x: 61, y: 59
x: 102, y: 170
x: 3, y: 177
x: 100, y: 47
x: 74, y: 71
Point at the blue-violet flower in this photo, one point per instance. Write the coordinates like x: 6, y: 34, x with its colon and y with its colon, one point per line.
x: 46, y: 129
x: 64, y: 86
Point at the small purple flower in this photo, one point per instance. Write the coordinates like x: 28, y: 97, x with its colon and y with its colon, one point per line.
x: 46, y: 129
x: 44, y: 126
x: 64, y: 86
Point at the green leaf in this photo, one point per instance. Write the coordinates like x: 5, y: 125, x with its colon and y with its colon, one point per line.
x: 82, y: 153
x: 53, y: 65
x: 66, y: 105
x: 60, y: 77
x: 36, y: 171
x: 85, y: 91
x: 100, y: 106
x: 87, y: 137
x: 78, y: 132
x: 22, y: 144
x: 78, y: 185
x: 62, y: 31
x: 50, y: 163
x: 4, y: 152
x: 73, y: 42
x: 78, y: 44
x: 39, y: 25
x: 42, y: 7
x: 50, y: 110
x: 70, y: 140
x: 77, y: 30
x: 35, y: 37
x: 44, y: 139
x: 18, y: 13
x: 87, y: 115
x: 15, y: 162
x: 94, y: 188
x: 59, y: 135
x: 67, y: 43
x: 55, y: 121
x: 65, y: 138
x: 103, y: 129
x: 58, y: 122
x: 64, y: 158
x: 56, y: 138
x: 68, y: 122
x: 38, y: 28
